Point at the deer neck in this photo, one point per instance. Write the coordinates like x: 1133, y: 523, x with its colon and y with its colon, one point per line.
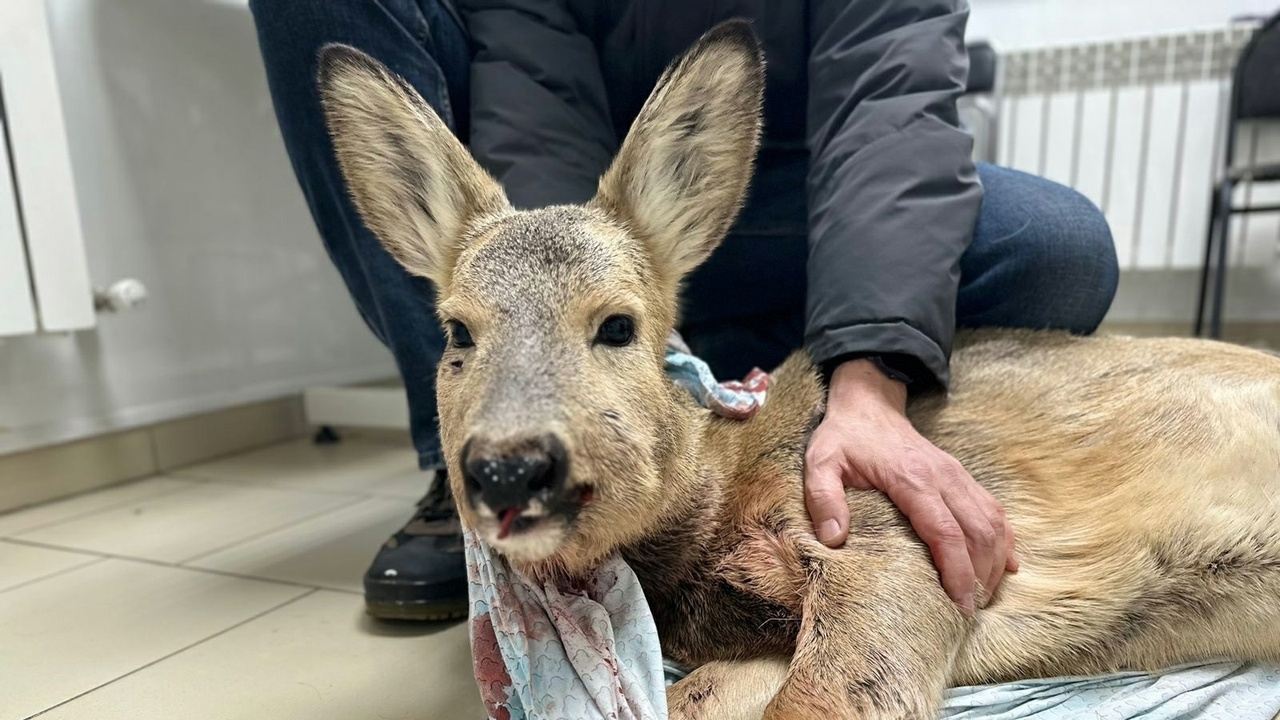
x: 679, y: 546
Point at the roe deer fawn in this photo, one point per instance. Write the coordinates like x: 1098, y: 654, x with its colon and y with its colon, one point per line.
x: 1142, y: 477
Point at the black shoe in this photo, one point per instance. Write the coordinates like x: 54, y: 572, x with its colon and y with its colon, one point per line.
x: 421, y: 573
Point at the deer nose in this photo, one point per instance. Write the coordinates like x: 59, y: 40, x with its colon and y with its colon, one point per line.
x: 509, y: 475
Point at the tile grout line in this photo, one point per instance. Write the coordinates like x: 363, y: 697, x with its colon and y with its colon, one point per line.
x: 270, y: 485
x: 183, y: 649
x: 190, y: 481
x: 193, y: 471
x: 25, y: 583
x: 264, y: 533
x: 104, y: 508
x: 175, y: 566
x: 50, y: 546
x: 223, y: 482
x: 193, y: 482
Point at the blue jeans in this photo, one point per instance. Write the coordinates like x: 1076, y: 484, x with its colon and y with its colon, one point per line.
x: 1041, y: 256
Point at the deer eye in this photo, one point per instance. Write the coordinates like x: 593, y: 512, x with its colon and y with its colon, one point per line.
x: 616, y: 331
x: 460, y: 335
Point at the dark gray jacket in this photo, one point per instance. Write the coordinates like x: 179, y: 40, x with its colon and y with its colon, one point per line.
x: 860, y: 97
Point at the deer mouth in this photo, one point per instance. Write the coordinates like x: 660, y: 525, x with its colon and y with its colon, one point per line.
x: 510, y: 521
x: 517, y: 520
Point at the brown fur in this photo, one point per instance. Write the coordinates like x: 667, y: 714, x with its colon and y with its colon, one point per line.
x: 1142, y: 477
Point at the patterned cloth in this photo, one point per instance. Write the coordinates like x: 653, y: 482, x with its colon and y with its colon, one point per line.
x: 733, y: 399
x: 543, y: 652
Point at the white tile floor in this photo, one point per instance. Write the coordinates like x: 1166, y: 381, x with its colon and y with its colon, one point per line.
x: 225, y: 590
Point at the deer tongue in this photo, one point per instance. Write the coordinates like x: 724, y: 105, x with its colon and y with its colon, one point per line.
x: 508, y: 518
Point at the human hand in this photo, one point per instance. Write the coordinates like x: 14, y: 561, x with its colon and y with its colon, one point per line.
x: 866, y: 442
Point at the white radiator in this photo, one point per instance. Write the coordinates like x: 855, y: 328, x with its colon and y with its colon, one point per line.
x: 1138, y: 126
x: 44, y: 275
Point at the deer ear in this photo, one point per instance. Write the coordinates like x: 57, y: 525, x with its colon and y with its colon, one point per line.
x: 415, y: 186
x: 683, y: 170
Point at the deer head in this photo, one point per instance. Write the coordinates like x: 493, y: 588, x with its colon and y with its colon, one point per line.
x: 560, y: 429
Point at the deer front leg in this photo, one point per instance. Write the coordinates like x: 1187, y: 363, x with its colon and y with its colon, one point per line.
x: 727, y: 690
x: 878, y: 634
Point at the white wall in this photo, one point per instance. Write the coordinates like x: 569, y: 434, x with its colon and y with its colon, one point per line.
x: 1144, y: 296
x: 183, y: 183
x: 1024, y: 24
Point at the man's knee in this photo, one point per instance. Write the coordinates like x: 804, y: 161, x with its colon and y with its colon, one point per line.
x: 1072, y: 252
x: 1043, y: 256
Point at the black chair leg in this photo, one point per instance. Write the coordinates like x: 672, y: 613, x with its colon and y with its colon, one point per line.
x: 1210, y: 238
x: 1224, y: 238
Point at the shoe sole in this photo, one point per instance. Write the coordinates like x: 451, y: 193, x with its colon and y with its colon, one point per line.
x: 417, y: 612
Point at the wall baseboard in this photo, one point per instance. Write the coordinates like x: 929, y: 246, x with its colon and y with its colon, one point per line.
x: 1253, y: 334
x: 53, y: 472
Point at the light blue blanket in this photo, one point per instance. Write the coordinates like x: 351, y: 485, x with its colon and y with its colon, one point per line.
x: 1209, y: 691
x: 1216, y: 691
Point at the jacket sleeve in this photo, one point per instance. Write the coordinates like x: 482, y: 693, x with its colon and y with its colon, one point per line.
x: 893, y: 193
x: 540, y: 119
